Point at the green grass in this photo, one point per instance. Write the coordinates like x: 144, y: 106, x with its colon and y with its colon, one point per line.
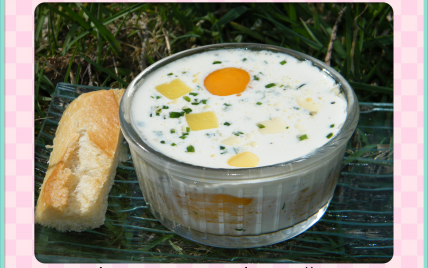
x: 117, y: 41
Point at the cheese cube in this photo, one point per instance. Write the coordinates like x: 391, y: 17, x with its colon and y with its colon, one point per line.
x: 245, y: 159
x: 202, y: 121
x: 173, y: 90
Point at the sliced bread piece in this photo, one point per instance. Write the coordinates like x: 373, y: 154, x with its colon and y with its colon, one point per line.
x: 82, y: 165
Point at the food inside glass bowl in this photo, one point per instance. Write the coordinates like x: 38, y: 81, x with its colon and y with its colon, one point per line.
x: 238, y: 108
x: 238, y: 145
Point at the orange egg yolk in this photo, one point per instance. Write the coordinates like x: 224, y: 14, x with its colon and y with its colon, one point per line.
x: 227, y: 81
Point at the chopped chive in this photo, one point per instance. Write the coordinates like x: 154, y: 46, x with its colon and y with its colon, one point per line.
x: 260, y: 126
x: 188, y: 129
x: 193, y: 94
x: 186, y: 98
x: 283, y: 62
x: 227, y: 104
x: 312, y: 113
x: 204, y: 101
x: 187, y: 110
x: 182, y: 137
x: 170, y: 74
x: 260, y: 73
x: 190, y: 149
x: 296, y: 108
x: 329, y: 135
x: 256, y: 78
x: 270, y: 85
x: 300, y: 86
x: 173, y: 144
x: 244, y: 59
x: 332, y: 126
x: 158, y: 97
x: 287, y: 127
x: 281, y: 85
x: 217, y: 62
x: 172, y: 131
x: 266, y: 62
x: 163, y: 142
x: 226, y: 124
x: 151, y: 115
x: 303, y: 137
x: 165, y: 107
x: 152, y: 97
x: 183, y: 72
x: 223, y: 152
x: 175, y: 114
x: 222, y: 147
x: 333, y: 102
x: 195, y: 103
x: 259, y: 103
x: 237, y: 133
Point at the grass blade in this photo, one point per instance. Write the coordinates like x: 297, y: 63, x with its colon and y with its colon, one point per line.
x: 184, y: 36
x: 105, y: 70
x: 348, y: 36
x: 74, y: 16
x: 366, y: 87
x: 233, y: 14
x: 252, y: 33
x: 310, y: 32
x: 70, y: 34
x: 106, y: 34
x: 71, y: 63
x: 108, y: 21
x: 181, y: 18
x: 40, y: 21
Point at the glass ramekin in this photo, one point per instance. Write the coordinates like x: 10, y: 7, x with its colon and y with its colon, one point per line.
x: 239, y: 208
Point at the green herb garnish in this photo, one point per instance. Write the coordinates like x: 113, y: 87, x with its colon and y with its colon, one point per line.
x: 332, y: 126
x: 183, y: 72
x: 193, y: 94
x: 260, y: 126
x: 259, y: 103
x: 329, y: 135
x: 175, y: 114
x: 190, y: 149
x: 186, y: 98
x: 237, y: 133
x: 287, y: 127
x: 165, y: 107
x: 187, y: 110
x: 170, y: 74
x: 188, y: 129
x: 195, y: 103
x: 283, y: 62
x: 227, y: 104
x: 256, y: 77
x: 300, y: 86
x: 270, y: 85
x: 226, y: 124
x: 244, y: 59
x: 158, y: 97
x: 204, y: 101
x: 222, y: 147
x: 172, y: 131
x: 163, y: 142
x: 173, y: 144
x: 217, y: 62
x: 303, y: 137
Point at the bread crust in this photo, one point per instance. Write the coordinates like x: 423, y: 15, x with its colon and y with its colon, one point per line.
x: 82, y: 164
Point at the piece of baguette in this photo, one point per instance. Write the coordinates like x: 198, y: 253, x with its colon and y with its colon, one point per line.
x: 82, y: 165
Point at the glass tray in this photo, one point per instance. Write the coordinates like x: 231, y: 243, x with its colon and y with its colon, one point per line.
x: 357, y: 227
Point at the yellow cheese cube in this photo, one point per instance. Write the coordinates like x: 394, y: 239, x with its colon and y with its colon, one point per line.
x: 245, y: 159
x: 202, y: 121
x: 173, y: 90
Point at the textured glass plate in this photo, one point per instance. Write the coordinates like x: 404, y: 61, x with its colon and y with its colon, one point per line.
x: 357, y: 227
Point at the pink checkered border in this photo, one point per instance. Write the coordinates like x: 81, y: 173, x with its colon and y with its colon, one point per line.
x: 408, y: 141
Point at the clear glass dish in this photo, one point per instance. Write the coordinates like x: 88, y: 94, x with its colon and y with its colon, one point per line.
x: 239, y: 208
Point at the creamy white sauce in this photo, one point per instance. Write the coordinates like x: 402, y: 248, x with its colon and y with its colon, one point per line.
x: 317, y: 109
